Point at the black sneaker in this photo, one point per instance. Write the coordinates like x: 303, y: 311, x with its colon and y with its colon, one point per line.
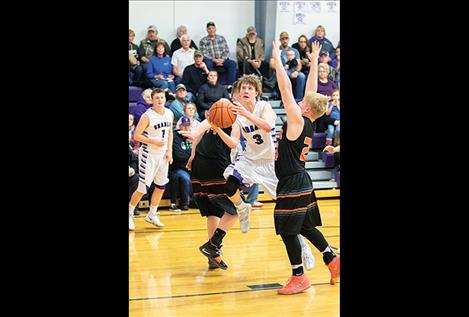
x: 212, y: 266
x: 185, y: 207
x: 173, y: 207
x: 213, y: 254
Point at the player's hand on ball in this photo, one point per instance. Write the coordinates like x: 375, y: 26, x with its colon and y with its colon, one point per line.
x: 238, y: 108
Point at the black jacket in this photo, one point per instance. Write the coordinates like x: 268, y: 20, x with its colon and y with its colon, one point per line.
x: 208, y: 94
x: 181, y: 152
x: 193, y: 78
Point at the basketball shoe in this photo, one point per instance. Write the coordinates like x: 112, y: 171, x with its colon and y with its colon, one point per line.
x: 295, y: 285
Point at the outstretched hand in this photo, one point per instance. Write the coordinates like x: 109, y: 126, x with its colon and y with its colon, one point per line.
x: 276, y: 49
x: 315, y: 48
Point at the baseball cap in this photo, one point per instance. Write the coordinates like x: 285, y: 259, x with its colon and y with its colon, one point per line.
x: 152, y: 28
x: 251, y: 29
x: 324, y: 53
x: 198, y: 53
x: 284, y: 35
x: 180, y: 86
x: 185, y: 121
x: 210, y: 24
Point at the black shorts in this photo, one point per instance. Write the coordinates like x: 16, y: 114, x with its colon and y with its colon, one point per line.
x: 208, y: 185
x: 296, y: 206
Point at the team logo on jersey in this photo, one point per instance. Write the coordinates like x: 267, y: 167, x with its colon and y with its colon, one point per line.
x: 162, y: 125
x: 250, y: 128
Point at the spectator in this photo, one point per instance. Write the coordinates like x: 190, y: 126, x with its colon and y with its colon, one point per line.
x: 182, y: 57
x: 325, y: 86
x: 179, y: 176
x: 143, y: 103
x: 216, y: 52
x: 190, y: 111
x: 209, y: 93
x: 195, y: 75
x: 333, y: 111
x: 134, y: 145
x: 336, y: 151
x: 302, y: 47
x: 136, y: 70
x: 251, y: 54
x: 324, y: 58
x: 182, y: 98
x: 160, y: 70
x: 297, y: 78
x: 147, y: 46
x: 337, y: 67
x: 176, y: 43
x: 320, y: 37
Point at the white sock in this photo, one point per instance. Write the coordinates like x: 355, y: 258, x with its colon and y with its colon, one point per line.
x: 153, y: 210
x: 328, y: 249
x: 131, y: 210
x: 239, y: 204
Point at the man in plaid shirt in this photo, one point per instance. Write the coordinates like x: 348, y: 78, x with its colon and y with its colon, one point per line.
x: 216, y: 52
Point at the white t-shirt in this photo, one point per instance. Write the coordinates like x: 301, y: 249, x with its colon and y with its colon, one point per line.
x: 182, y: 58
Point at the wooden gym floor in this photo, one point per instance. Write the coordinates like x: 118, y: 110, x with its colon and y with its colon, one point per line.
x: 170, y: 277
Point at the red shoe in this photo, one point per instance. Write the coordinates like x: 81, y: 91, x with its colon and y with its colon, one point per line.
x: 295, y: 285
x: 334, y: 268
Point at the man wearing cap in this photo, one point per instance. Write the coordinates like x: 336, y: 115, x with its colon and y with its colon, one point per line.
x: 195, y: 75
x: 251, y: 54
x: 179, y: 176
x: 183, y: 57
x: 297, y: 78
x: 147, y: 46
x: 182, y: 98
x: 216, y: 52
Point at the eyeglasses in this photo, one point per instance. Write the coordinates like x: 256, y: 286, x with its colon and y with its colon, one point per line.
x: 302, y: 41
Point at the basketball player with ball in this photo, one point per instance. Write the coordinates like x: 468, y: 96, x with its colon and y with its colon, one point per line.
x: 209, y: 158
x: 296, y: 209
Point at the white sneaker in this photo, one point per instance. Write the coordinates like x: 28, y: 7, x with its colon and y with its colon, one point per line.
x: 131, y: 223
x: 308, y: 258
x: 154, y: 219
x: 243, y: 214
x: 257, y: 204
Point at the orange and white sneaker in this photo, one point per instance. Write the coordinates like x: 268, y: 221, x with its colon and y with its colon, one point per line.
x: 334, y: 268
x: 295, y: 285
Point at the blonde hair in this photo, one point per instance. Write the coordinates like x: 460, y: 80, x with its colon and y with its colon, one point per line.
x: 316, y: 102
x: 131, y: 32
x: 320, y: 28
x: 325, y: 66
x: 147, y: 93
x: 252, y: 80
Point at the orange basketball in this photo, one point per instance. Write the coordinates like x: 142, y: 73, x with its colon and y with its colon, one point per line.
x: 221, y: 113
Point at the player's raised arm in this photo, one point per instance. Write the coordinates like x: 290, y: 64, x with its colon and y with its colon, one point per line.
x: 312, y: 80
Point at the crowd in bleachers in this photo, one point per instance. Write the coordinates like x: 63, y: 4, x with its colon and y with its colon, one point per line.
x: 195, y: 76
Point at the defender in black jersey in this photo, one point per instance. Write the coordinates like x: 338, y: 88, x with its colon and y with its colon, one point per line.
x: 209, y: 159
x: 296, y: 210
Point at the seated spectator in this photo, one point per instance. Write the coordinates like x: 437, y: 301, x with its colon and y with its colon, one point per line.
x: 147, y: 46
x: 195, y: 75
x: 320, y: 37
x: 136, y: 70
x: 325, y: 59
x: 333, y: 111
x: 216, y: 52
x: 190, y: 111
x: 182, y: 98
x: 297, y: 78
x: 160, y: 70
x: 250, y: 53
x: 176, y: 43
x: 179, y: 176
x: 337, y: 67
x: 209, y: 93
x: 302, y: 47
x: 325, y: 86
x: 143, y: 103
x: 182, y: 57
x: 133, y: 180
x: 336, y: 151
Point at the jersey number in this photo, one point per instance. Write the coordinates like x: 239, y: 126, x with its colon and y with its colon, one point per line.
x: 258, y: 138
x: 305, y: 150
x: 163, y: 133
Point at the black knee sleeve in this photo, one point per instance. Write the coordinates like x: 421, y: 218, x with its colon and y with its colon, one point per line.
x: 293, y: 247
x: 231, y: 186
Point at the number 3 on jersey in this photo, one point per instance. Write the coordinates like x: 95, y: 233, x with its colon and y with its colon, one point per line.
x: 258, y: 138
x: 305, y: 150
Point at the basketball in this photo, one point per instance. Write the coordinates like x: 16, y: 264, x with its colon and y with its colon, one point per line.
x: 221, y: 113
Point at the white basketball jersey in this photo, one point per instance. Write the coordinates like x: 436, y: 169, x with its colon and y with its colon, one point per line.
x: 158, y: 128
x: 260, y: 145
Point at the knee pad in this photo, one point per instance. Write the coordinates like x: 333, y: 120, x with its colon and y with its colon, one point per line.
x: 232, y: 184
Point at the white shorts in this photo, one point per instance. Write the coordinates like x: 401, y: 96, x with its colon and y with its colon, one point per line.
x: 152, y: 167
x: 249, y: 172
